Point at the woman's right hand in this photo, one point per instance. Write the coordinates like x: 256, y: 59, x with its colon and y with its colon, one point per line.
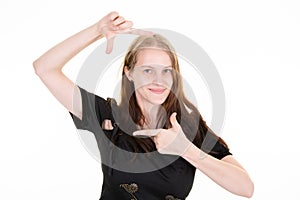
x: 113, y: 24
x: 49, y: 66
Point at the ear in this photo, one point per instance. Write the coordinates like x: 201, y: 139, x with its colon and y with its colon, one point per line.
x: 128, y: 74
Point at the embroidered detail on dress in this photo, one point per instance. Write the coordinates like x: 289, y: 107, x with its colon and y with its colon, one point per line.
x: 132, y: 188
x: 171, y: 197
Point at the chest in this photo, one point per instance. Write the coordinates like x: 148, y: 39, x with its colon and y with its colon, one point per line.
x: 174, y: 180
x: 129, y: 175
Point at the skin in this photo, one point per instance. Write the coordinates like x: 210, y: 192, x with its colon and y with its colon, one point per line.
x: 228, y: 173
x: 152, y: 78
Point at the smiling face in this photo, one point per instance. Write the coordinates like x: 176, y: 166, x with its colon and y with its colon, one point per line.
x: 152, y: 77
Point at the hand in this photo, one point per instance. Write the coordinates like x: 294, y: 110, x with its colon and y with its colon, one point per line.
x: 168, y: 141
x: 113, y: 24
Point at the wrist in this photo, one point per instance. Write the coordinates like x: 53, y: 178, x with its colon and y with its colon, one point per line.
x: 193, y: 152
x: 99, y: 28
x: 96, y: 31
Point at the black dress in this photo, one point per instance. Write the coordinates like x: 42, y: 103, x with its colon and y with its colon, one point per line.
x: 167, y: 177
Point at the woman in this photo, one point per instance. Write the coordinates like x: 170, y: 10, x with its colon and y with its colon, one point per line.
x: 153, y: 120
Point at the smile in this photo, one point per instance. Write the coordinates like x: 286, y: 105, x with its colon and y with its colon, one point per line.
x: 157, y: 91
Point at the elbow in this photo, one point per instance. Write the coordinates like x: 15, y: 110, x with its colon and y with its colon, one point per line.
x: 244, y: 189
x: 249, y: 190
x: 39, y: 67
x: 36, y: 67
x: 42, y: 67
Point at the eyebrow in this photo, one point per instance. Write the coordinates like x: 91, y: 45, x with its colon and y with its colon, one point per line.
x: 153, y: 66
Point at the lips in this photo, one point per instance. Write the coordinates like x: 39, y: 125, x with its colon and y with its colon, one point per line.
x: 157, y: 90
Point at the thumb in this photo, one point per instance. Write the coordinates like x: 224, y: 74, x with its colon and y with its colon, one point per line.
x: 109, y: 45
x: 173, y: 121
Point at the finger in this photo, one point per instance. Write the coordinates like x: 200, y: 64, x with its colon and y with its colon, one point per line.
x: 140, y: 32
x: 119, y: 20
x: 109, y: 45
x: 125, y: 25
x: 148, y: 132
x: 173, y: 120
x: 113, y: 15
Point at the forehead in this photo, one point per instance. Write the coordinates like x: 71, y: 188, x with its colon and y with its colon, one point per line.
x: 152, y: 56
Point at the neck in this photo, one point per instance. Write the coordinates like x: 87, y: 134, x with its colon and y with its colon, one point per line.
x: 150, y: 114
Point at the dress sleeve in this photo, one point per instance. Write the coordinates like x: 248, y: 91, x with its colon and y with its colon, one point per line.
x: 93, y: 112
x: 219, y: 151
x: 215, y: 146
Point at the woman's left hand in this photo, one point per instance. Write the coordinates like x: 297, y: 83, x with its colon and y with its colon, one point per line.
x: 168, y: 141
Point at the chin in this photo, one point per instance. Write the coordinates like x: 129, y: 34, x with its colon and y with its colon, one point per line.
x: 157, y: 101
x: 154, y: 99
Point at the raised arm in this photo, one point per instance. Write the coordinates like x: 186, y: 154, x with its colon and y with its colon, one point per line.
x: 49, y: 66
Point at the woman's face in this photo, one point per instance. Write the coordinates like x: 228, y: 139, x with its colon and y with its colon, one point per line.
x: 152, y: 77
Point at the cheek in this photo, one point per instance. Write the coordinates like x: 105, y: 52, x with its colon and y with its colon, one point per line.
x: 140, y: 81
x: 168, y: 82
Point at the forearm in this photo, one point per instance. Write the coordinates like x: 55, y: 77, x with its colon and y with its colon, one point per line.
x: 230, y: 176
x: 59, y: 55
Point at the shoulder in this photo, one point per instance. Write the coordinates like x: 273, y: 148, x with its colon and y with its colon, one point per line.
x: 94, y: 102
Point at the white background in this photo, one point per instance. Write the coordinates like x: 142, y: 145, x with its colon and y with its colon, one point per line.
x: 254, y: 44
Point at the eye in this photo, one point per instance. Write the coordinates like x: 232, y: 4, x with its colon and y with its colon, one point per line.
x: 147, y: 71
x: 169, y: 70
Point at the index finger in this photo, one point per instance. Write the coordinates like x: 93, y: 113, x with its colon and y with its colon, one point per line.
x: 109, y: 45
x: 113, y: 15
x: 147, y: 132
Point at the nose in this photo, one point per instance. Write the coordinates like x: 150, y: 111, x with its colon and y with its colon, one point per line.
x: 158, y: 78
